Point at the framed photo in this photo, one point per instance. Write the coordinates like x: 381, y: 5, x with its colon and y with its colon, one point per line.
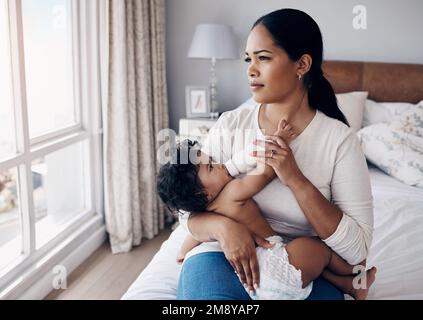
x: 197, y: 102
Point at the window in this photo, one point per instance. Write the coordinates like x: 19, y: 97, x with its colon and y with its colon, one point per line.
x: 10, y: 222
x: 55, y: 202
x: 50, y: 152
x: 47, y: 40
x: 7, y: 128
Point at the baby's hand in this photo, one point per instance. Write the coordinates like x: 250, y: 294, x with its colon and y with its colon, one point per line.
x: 285, y: 131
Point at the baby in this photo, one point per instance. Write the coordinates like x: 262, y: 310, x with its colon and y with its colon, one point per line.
x: 288, y: 268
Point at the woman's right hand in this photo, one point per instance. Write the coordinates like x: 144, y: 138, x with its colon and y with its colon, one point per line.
x: 238, y: 244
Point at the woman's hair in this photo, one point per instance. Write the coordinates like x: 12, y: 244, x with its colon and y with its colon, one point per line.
x: 178, y: 184
x: 297, y: 33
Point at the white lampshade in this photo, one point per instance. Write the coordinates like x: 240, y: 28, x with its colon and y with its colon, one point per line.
x: 213, y: 41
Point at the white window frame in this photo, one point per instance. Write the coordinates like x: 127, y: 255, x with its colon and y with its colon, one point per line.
x: 87, y: 94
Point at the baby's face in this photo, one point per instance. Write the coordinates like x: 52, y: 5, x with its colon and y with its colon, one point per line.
x: 213, y: 176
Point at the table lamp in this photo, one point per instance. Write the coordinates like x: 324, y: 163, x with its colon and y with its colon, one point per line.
x: 215, y: 42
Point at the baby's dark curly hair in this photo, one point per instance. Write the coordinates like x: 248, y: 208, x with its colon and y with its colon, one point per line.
x: 178, y: 184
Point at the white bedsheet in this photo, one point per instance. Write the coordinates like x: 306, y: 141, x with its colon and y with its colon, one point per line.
x: 397, y: 248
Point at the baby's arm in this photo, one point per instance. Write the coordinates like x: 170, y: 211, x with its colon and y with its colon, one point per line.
x: 189, y: 244
x: 236, y: 196
x: 246, y: 187
x: 249, y: 214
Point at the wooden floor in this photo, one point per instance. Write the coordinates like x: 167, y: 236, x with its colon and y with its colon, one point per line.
x: 107, y: 276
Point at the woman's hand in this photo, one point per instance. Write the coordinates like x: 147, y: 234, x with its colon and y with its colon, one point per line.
x: 279, y: 156
x: 238, y: 244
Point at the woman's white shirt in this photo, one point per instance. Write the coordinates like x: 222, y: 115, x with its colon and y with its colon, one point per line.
x: 328, y: 153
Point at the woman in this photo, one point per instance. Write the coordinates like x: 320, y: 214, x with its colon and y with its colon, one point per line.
x: 324, y: 191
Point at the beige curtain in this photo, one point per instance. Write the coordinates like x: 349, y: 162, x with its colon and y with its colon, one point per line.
x: 136, y: 112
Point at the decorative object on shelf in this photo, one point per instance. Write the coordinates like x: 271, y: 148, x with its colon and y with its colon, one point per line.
x: 215, y: 42
x: 197, y: 102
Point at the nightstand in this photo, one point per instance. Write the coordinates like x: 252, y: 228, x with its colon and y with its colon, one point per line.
x: 195, y: 128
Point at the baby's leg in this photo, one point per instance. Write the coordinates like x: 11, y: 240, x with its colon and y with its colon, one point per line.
x: 339, y: 266
x: 358, y: 290
x: 336, y: 264
x: 188, y: 244
x: 310, y: 255
x: 342, y: 275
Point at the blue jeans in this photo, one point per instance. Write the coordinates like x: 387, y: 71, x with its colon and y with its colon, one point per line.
x: 209, y: 276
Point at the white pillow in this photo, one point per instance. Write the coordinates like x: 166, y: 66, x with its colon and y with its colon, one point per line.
x: 396, y: 147
x: 377, y: 112
x: 352, y: 106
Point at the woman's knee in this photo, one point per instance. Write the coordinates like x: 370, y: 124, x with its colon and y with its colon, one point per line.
x: 209, y: 276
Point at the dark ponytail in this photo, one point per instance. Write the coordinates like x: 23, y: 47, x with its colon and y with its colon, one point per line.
x: 322, y: 97
x: 297, y: 33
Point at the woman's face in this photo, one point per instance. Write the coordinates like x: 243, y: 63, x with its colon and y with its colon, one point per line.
x: 272, y: 75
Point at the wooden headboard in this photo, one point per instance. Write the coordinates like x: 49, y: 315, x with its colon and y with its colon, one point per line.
x: 385, y: 82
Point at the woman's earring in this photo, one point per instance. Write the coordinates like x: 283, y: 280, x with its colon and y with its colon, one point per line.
x: 299, y: 77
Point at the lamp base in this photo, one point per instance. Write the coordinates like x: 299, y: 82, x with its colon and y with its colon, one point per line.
x: 213, y: 90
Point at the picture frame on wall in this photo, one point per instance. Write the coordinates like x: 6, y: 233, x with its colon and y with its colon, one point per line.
x: 197, y: 101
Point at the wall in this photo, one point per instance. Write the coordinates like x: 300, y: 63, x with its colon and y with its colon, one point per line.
x: 393, y: 34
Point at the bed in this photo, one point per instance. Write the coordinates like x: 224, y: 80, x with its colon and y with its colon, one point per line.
x: 397, y: 247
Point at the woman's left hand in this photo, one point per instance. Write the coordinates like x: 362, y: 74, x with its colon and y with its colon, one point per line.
x: 279, y: 156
